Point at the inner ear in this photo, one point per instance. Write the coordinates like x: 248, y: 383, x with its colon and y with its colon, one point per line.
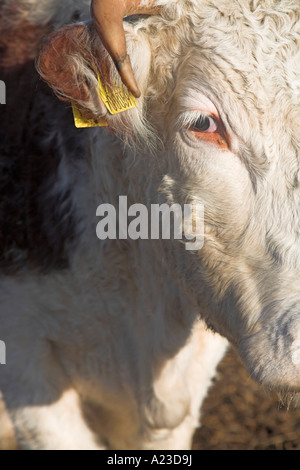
x: 60, y: 62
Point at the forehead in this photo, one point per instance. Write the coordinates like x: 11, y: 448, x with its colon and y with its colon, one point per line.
x: 248, y: 44
x: 246, y: 55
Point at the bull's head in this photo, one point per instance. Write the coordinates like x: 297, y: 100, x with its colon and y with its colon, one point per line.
x: 220, y: 87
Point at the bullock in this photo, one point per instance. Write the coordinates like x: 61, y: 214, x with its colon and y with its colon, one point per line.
x: 113, y: 344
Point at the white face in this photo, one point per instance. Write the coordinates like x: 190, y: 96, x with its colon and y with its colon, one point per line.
x: 234, y: 147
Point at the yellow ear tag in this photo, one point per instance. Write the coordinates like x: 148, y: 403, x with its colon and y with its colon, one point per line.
x: 117, y: 98
x: 81, y: 121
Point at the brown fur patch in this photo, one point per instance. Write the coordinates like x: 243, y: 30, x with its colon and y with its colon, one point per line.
x: 54, y: 61
x: 19, y: 44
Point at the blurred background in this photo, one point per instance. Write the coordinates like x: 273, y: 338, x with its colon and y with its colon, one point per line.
x: 239, y: 415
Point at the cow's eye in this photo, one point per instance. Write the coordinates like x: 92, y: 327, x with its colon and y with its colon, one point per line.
x: 206, y: 128
x: 205, y: 124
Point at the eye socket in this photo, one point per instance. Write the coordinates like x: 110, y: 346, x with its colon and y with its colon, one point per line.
x: 205, y: 124
x: 205, y: 127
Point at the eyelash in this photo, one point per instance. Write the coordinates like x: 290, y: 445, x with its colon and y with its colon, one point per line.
x: 191, y: 119
x: 214, y: 134
x: 208, y: 123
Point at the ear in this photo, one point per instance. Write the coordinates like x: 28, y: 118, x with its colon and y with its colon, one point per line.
x: 65, y: 62
x: 70, y: 56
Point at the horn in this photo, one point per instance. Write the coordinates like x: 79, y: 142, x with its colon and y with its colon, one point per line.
x: 108, y: 18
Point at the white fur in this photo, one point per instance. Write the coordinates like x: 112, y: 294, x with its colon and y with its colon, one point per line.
x: 119, y: 337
